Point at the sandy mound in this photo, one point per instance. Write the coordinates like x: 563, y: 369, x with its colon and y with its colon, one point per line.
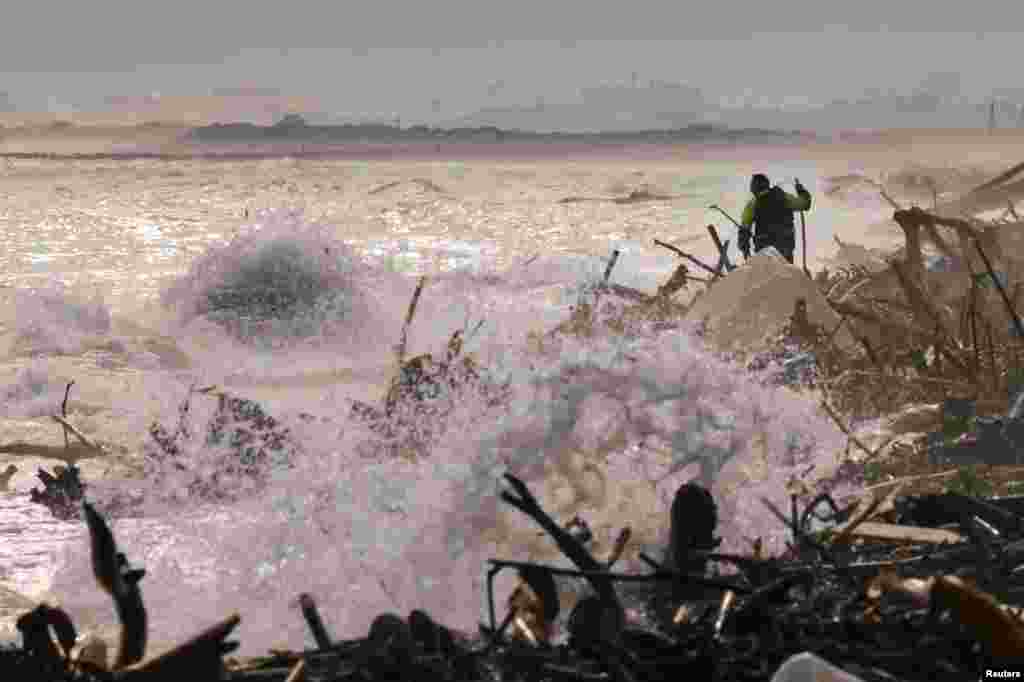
x: 746, y: 309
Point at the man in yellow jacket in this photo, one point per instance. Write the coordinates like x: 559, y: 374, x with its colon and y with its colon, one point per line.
x: 770, y: 213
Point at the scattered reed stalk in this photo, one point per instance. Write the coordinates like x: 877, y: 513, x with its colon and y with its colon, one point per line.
x: 849, y: 434
x: 410, y: 313
x: 924, y: 309
x: 69, y: 454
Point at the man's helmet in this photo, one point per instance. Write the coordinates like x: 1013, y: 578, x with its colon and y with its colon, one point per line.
x: 759, y: 183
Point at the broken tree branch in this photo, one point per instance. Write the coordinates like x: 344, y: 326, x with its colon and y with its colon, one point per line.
x: 313, y: 620
x: 69, y: 455
x: 570, y: 546
x: 920, y: 303
x: 410, y: 313
x: 122, y: 583
x: 998, y: 180
x: 611, y: 266
x: 68, y: 426
x: 687, y: 256
x: 1002, y: 292
x: 201, y: 657
x: 723, y: 251
x: 849, y: 434
x: 64, y: 408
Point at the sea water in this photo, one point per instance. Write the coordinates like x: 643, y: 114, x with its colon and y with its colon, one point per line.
x: 606, y: 428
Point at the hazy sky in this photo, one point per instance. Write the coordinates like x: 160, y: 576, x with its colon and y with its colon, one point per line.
x: 380, y: 58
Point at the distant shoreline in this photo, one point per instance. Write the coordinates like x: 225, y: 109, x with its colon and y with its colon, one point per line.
x: 239, y: 142
x: 181, y: 143
x: 382, y: 151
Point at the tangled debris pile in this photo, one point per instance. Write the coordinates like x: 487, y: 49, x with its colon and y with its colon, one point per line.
x: 245, y: 441
x: 424, y: 391
x: 917, y: 612
x: 934, y: 324
x: 937, y: 324
x: 255, y: 441
x: 61, y: 494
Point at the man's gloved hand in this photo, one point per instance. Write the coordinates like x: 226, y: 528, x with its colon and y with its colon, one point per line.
x: 744, y: 243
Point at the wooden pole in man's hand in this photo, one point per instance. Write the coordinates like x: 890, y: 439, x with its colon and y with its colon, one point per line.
x: 803, y: 235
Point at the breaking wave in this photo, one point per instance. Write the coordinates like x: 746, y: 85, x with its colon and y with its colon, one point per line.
x: 606, y: 427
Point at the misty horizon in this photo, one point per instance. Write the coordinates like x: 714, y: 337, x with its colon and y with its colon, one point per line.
x: 438, y: 65
x: 632, y: 105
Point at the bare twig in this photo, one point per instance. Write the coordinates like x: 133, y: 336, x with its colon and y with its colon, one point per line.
x: 881, y: 190
x: 849, y: 434
x: 70, y: 455
x: 410, y: 313
x: 864, y: 515
x: 918, y: 300
x: 723, y: 610
x: 611, y: 266
x: 922, y: 477
x: 998, y: 180
x: 198, y: 658
x: 298, y: 672
x: 723, y: 251
x: 992, y: 356
x: 316, y: 624
x: 68, y: 426
x: 525, y: 502
x: 620, y: 546
x: 687, y: 256
x: 1002, y: 292
x: 64, y: 408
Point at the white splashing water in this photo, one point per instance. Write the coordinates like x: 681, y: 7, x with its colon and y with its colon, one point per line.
x: 607, y: 429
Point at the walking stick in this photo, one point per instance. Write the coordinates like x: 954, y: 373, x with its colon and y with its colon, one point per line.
x: 803, y: 237
x: 803, y: 234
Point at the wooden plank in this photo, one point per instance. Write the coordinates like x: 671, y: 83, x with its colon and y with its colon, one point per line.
x: 723, y: 251
x: 889, y: 532
x: 867, y: 508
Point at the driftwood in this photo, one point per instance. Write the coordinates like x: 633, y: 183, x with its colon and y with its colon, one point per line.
x: 6, y: 476
x: 111, y: 570
x: 316, y: 625
x: 864, y: 608
x: 693, y: 259
x: 635, y: 196
x: 865, y: 512
x: 70, y: 454
x: 62, y: 494
x: 525, y: 502
x: 410, y: 313
x: 723, y: 251
x: 888, y: 532
x: 1014, y: 317
x: 425, y: 390
x: 611, y: 266
x: 199, y: 658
